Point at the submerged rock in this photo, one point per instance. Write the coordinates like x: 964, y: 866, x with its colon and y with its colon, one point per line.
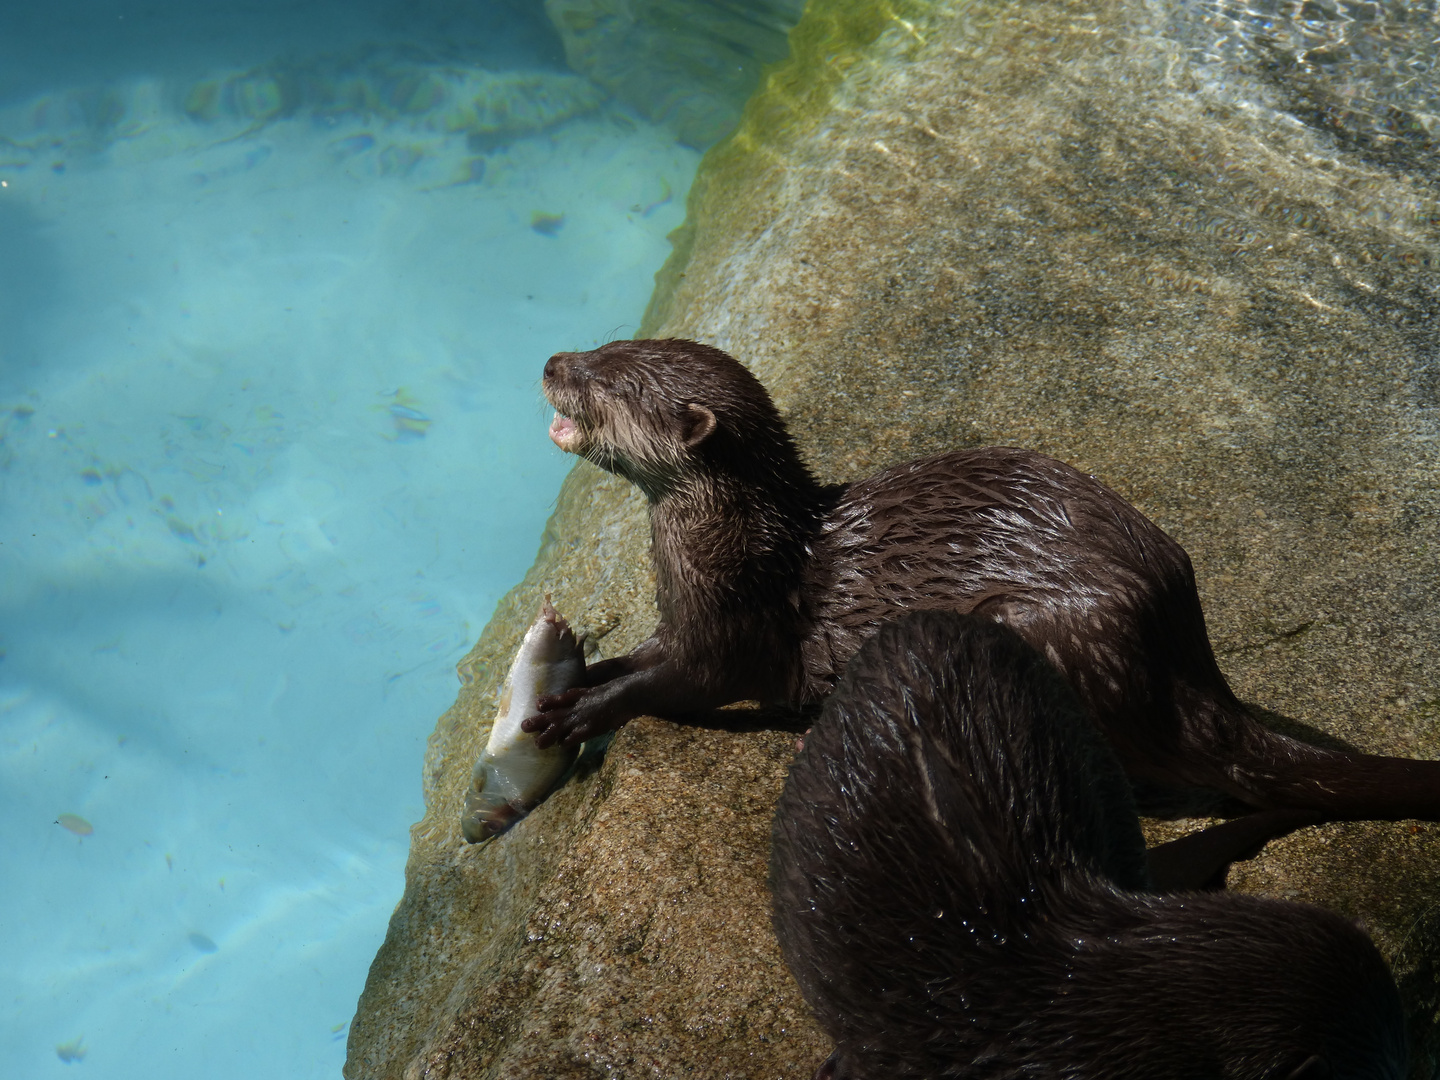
x: 690, y: 64
x: 426, y: 97
x: 1032, y: 222
x: 369, y: 86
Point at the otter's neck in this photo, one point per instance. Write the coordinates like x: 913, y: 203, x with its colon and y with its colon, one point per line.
x: 784, y: 508
x: 716, y: 529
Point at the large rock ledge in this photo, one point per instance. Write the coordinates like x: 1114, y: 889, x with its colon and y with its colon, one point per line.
x: 1011, y: 221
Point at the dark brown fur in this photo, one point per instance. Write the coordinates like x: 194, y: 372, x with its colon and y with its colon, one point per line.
x: 767, y: 583
x: 957, y: 873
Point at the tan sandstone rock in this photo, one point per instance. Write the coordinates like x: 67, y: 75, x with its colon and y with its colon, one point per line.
x: 1029, y: 222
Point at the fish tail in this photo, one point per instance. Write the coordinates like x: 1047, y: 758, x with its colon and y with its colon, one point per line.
x: 563, y: 631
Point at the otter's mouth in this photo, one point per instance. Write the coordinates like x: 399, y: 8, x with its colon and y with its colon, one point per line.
x: 565, y: 433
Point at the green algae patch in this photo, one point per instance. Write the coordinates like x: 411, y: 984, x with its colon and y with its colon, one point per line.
x: 825, y: 47
x: 796, y: 96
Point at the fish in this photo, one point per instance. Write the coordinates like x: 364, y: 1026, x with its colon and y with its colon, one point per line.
x: 76, y: 824
x: 547, y: 224
x: 72, y: 1051
x: 410, y: 423
x: 513, y: 775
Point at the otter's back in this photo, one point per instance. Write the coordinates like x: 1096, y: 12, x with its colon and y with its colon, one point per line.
x: 1057, y: 556
x: 949, y: 776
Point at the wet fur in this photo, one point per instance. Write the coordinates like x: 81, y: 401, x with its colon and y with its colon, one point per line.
x: 731, y: 515
x: 957, y: 874
x: 767, y: 583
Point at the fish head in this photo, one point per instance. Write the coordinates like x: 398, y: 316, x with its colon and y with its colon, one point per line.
x: 482, y: 823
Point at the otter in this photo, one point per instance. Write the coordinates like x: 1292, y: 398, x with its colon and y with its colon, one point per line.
x: 958, y: 884
x: 767, y: 582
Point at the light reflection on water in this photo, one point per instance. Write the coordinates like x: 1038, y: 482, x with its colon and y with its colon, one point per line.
x: 1365, y: 72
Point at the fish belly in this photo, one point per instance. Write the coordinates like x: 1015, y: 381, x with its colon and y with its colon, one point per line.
x: 513, y: 775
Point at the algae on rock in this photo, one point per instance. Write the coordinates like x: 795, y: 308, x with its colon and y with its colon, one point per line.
x: 1032, y: 222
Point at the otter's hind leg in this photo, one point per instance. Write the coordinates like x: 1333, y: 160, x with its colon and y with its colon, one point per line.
x: 1200, y: 861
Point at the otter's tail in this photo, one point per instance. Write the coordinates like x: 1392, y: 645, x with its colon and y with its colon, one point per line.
x: 1223, y: 746
x: 1280, y: 772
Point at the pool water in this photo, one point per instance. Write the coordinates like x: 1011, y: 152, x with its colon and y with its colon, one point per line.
x: 271, y: 448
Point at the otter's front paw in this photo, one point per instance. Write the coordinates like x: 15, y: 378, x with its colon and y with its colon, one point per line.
x: 563, y: 719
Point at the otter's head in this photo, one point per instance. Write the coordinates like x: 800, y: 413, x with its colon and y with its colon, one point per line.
x: 653, y: 411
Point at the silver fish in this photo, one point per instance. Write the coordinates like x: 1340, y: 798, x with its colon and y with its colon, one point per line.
x: 513, y: 775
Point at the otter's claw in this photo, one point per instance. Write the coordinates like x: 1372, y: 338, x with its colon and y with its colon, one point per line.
x: 557, y: 721
x: 566, y: 699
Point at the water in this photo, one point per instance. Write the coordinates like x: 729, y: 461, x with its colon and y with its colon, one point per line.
x: 1364, y: 72
x: 273, y: 306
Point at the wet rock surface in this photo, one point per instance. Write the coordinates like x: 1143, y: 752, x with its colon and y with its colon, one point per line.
x: 1037, y: 224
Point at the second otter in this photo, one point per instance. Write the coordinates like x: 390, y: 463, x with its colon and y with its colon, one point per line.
x: 767, y: 582
x: 959, y: 889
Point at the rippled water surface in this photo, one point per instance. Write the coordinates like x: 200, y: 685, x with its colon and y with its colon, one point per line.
x: 1364, y: 72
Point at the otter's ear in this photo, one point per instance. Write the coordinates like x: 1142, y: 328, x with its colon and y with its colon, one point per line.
x: 696, y: 424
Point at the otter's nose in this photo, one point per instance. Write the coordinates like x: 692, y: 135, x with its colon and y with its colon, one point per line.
x: 565, y: 363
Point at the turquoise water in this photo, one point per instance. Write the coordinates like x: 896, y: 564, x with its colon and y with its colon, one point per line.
x: 274, y: 297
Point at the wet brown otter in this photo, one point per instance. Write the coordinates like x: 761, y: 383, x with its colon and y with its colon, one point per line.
x: 767, y: 583
x: 958, y: 884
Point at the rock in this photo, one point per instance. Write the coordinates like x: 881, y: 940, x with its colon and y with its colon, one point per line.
x: 1033, y: 222
x: 689, y: 64
x: 604, y: 934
